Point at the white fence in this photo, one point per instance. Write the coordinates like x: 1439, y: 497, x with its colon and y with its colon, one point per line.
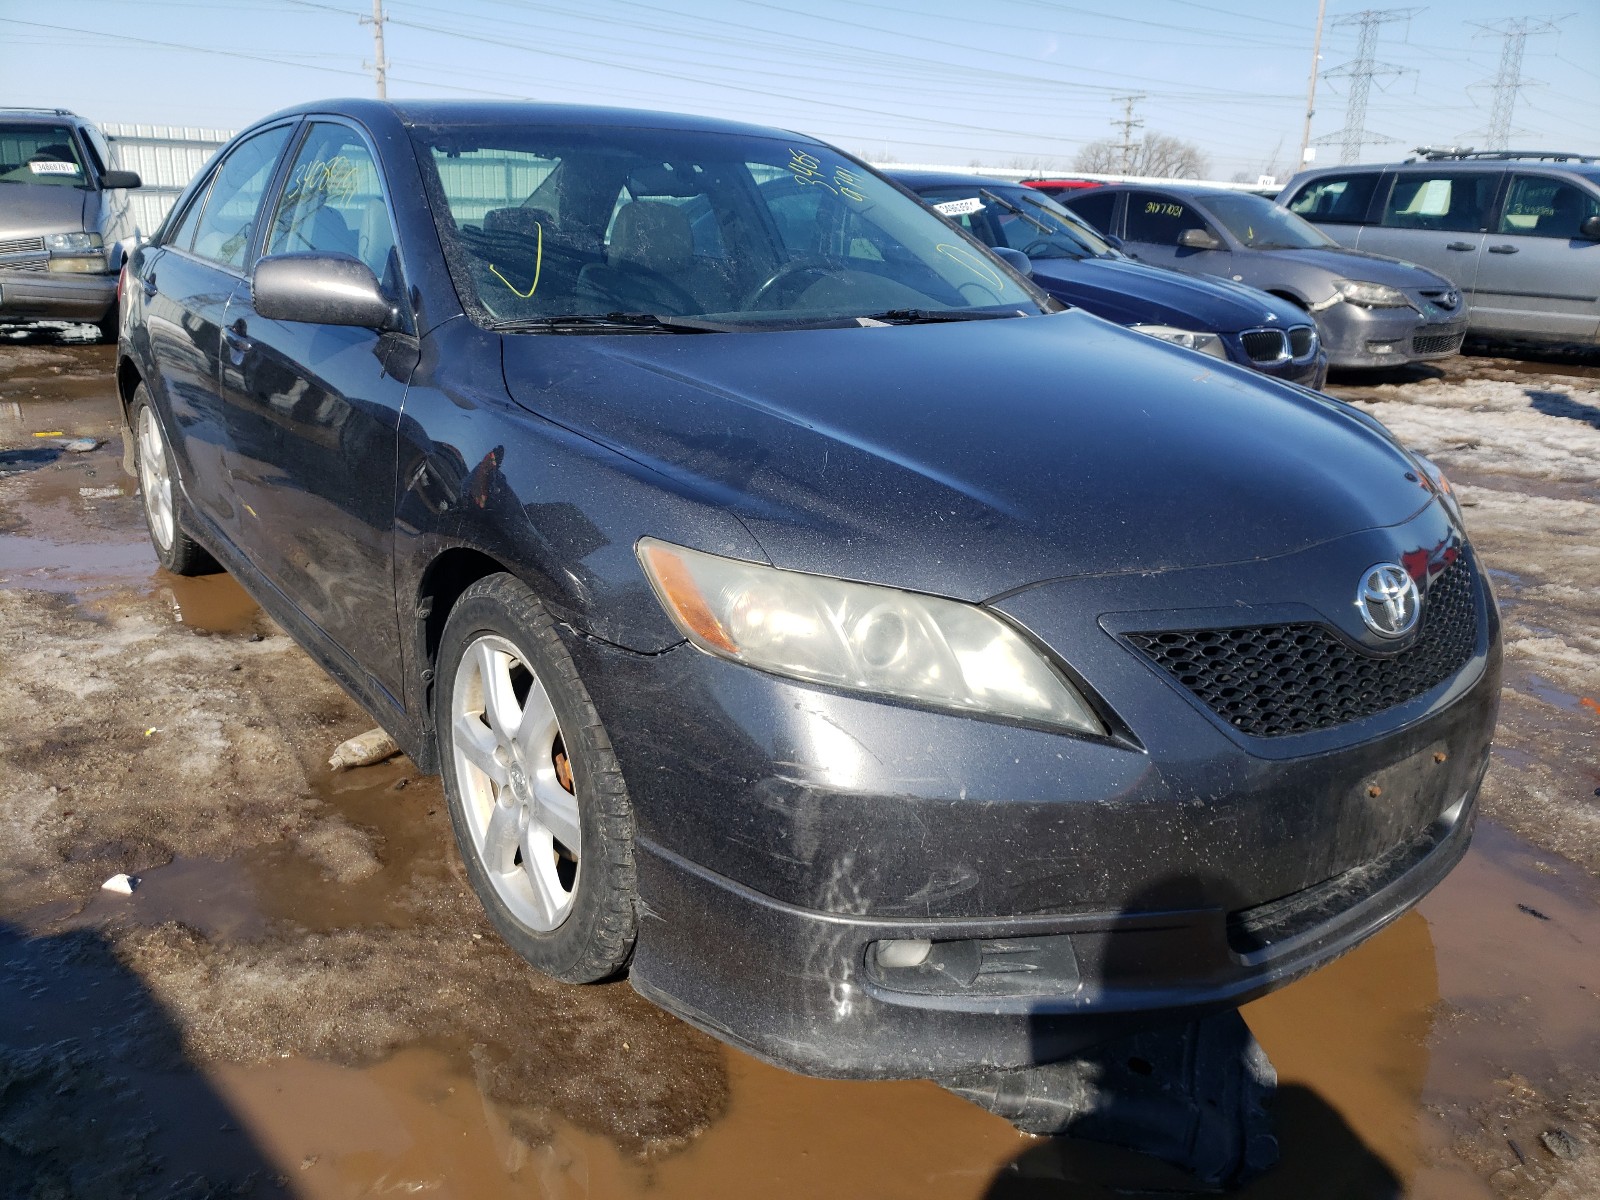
x: 166, y: 157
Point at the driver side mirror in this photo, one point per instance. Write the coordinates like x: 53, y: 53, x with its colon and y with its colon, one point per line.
x: 1015, y: 259
x: 1590, y: 228
x: 1199, y: 239
x: 112, y: 180
x: 321, y: 289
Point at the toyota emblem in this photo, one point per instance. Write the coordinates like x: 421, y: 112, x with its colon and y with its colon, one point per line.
x: 1389, y: 601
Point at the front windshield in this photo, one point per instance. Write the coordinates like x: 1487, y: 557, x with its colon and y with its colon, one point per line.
x: 40, y: 154
x: 1020, y: 218
x: 1262, y: 225
x: 545, y: 224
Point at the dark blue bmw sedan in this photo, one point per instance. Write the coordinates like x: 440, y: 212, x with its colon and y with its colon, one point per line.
x: 893, y: 674
x: 1076, y: 265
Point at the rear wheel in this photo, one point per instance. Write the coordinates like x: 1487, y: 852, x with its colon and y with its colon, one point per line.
x: 537, y: 800
x: 163, y: 499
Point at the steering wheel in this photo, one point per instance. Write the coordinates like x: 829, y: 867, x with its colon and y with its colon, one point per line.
x: 789, y: 271
x: 1039, y: 244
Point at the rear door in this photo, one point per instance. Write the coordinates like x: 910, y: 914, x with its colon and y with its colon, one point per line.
x: 1537, y: 278
x: 1437, y: 219
x: 315, y: 410
x: 187, y: 285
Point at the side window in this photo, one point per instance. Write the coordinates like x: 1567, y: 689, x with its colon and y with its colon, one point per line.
x: 228, y: 219
x: 1539, y: 206
x: 1096, y: 208
x: 182, y: 237
x: 1157, y: 218
x: 1336, y: 199
x: 333, y: 202
x: 1455, y: 202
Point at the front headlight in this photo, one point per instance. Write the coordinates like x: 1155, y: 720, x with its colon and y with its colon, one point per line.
x: 1190, y: 339
x: 74, y: 243
x: 860, y: 636
x: 1371, y: 295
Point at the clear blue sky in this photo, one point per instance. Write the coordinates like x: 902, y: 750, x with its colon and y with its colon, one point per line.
x: 1001, y: 82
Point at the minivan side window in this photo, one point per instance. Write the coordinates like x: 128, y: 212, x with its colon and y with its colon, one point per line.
x: 1095, y: 208
x: 1336, y: 199
x: 229, y: 217
x: 1538, y: 206
x: 1159, y: 219
x: 1458, y: 202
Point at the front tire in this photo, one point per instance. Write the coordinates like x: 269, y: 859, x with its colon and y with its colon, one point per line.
x: 537, y: 800
x: 163, y: 498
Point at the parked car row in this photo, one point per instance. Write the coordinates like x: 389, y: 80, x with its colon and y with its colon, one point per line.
x: 897, y: 673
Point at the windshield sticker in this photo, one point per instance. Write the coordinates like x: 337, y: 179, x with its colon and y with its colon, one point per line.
x: 807, y: 169
x: 53, y: 168
x: 959, y: 208
x: 1165, y: 210
x: 973, y: 262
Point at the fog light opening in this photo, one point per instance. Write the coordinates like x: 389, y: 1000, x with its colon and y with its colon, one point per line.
x: 904, y: 953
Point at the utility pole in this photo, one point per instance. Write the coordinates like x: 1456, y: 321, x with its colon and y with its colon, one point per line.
x: 1509, y: 81
x: 1361, y: 70
x: 380, y: 64
x: 1311, y: 85
x: 1128, y: 124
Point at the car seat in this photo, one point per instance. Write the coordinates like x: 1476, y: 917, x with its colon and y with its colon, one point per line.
x: 650, y: 266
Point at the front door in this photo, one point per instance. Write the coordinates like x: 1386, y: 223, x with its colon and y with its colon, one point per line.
x: 1537, y: 277
x: 318, y: 408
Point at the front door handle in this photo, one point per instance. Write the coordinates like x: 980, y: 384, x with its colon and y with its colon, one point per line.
x: 1460, y: 246
x: 149, y: 285
x: 238, y: 342
x: 1502, y: 249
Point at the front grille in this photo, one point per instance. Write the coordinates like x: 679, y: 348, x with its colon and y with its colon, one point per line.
x: 23, y: 246
x: 1436, y: 343
x: 1302, y: 340
x: 26, y: 264
x: 1273, y: 680
x: 1264, y: 345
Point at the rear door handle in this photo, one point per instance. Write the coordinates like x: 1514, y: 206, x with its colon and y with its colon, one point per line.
x: 1460, y: 246
x: 1502, y: 249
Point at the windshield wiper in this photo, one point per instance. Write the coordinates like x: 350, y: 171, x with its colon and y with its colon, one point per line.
x: 1019, y: 211
x: 595, y: 322
x: 928, y: 316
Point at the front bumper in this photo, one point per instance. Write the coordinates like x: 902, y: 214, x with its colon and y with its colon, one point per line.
x: 1073, y: 888
x: 1389, y: 337
x: 42, y: 296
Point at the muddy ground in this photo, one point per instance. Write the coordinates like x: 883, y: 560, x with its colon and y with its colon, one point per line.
x: 302, y: 998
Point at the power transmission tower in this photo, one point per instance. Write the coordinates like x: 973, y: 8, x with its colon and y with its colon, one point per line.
x: 1509, y: 81
x: 1128, y: 124
x: 1361, y: 70
x: 380, y: 64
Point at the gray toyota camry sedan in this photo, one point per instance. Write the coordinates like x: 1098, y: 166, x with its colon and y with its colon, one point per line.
x: 893, y: 673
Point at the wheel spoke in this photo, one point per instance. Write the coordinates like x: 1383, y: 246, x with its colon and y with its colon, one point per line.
x: 500, y: 705
x: 477, y: 742
x: 500, y: 839
x: 538, y: 860
x: 558, y: 812
x: 537, y: 732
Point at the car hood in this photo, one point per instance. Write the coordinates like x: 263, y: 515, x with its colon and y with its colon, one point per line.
x: 1128, y: 292
x: 31, y: 210
x: 1357, y: 264
x: 971, y: 459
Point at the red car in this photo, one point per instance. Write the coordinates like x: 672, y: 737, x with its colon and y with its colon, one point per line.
x: 1055, y: 187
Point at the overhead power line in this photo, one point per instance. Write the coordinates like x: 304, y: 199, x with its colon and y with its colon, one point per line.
x: 1128, y: 124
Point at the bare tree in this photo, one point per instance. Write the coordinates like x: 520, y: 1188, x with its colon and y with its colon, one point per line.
x: 1158, y: 155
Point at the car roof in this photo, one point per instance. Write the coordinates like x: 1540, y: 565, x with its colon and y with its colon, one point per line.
x: 921, y: 179
x: 41, y: 116
x: 511, y: 113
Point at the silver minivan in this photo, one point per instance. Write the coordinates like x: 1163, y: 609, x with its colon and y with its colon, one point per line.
x: 65, y: 220
x: 1518, y: 232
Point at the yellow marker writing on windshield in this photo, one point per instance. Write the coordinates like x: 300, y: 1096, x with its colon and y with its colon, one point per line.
x: 538, y: 265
